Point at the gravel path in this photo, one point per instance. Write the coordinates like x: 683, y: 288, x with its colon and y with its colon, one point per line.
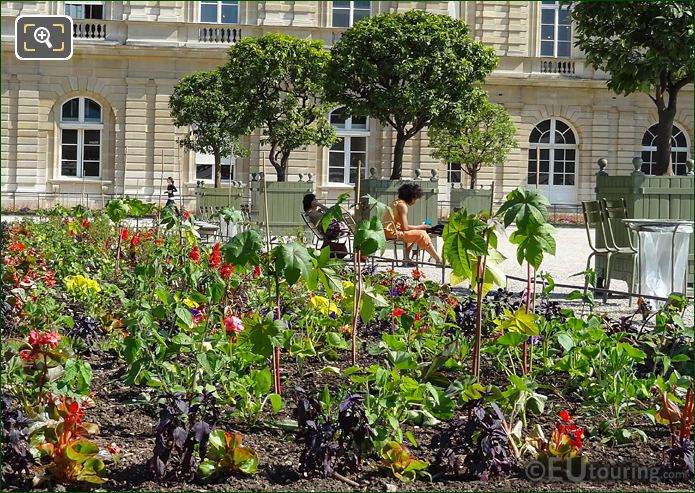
x: 570, y: 258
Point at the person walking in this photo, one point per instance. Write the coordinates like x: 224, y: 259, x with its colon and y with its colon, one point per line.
x: 171, y: 190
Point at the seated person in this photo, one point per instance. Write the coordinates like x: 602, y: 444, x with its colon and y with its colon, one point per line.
x: 397, y: 226
x: 314, y: 211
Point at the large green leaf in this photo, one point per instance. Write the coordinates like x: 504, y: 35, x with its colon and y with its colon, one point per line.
x: 532, y: 242
x: 81, y: 450
x: 334, y: 213
x: 243, y: 249
x: 370, y: 237
x: 292, y: 260
x: 117, y: 210
x: 326, y: 272
x: 519, y: 321
x: 524, y: 207
x: 260, y: 333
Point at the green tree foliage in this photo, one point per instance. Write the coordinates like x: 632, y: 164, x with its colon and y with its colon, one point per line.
x: 200, y: 103
x: 644, y: 46
x: 280, y: 79
x: 483, y: 138
x: 408, y: 71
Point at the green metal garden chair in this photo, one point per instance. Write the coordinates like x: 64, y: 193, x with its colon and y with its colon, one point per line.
x: 618, y: 236
x: 593, y: 218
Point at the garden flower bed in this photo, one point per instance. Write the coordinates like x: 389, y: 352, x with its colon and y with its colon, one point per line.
x: 144, y: 360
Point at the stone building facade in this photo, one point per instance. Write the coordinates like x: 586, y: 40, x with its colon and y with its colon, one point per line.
x: 99, y: 122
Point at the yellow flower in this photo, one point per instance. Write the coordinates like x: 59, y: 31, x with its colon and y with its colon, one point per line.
x: 81, y: 284
x: 190, y: 303
x: 324, y: 305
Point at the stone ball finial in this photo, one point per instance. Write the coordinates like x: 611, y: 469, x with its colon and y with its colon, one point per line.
x: 689, y: 166
x: 372, y: 172
x: 637, y: 165
x: 301, y: 176
x: 435, y: 175
x: 254, y: 176
x: 310, y: 177
x: 602, y: 163
x: 418, y: 173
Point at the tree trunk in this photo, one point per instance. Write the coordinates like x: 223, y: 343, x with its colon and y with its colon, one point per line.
x: 281, y: 172
x: 218, y: 169
x: 667, y: 113
x: 473, y: 173
x: 398, y: 149
x: 663, y: 166
x: 280, y: 166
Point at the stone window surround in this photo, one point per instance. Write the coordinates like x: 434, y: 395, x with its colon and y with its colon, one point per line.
x: 80, y: 126
x: 346, y: 133
x: 551, y: 146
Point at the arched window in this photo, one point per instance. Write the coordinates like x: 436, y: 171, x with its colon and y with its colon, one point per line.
x: 552, y: 160
x: 680, y: 150
x: 350, y: 148
x: 81, y: 125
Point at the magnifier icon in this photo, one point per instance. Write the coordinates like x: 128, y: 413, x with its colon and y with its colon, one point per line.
x: 43, y: 35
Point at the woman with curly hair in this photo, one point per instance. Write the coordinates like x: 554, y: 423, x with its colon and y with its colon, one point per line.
x: 397, y: 226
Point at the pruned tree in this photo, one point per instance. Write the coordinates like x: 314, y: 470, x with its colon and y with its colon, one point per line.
x: 214, y: 121
x: 280, y: 79
x: 408, y: 71
x: 645, y: 47
x: 483, y: 138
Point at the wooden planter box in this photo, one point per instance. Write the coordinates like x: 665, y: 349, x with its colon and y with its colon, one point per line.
x: 647, y: 197
x: 284, y: 206
x: 386, y: 191
x: 217, y: 198
x: 473, y: 201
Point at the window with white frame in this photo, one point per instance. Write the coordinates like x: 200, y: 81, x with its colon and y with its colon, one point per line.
x: 219, y: 12
x: 556, y: 30
x: 680, y: 150
x: 205, y: 167
x: 453, y: 173
x: 85, y: 10
x: 345, y: 14
x: 552, y: 154
x: 80, y: 138
x: 350, y: 150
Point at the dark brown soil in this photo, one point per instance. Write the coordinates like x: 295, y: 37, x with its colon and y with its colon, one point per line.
x: 130, y: 425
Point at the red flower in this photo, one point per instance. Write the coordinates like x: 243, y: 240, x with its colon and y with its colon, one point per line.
x: 16, y: 247
x: 565, y: 416
x: 168, y: 260
x: 417, y: 317
x: 75, y: 413
x: 28, y: 356
x: 215, y: 256
x: 417, y: 275
x: 86, y: 223
x: 135, y: 240
x: 35, y: 338
x: 226, y: 270
x: 186, y: 215
x: 195, y: 254
x: 124, y: 234
x: 233, y: 324
x: 257, y: 271
x: 51, y: 339
x: 397, y: 312
x: 113, y: 448
x: 159, y: 242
